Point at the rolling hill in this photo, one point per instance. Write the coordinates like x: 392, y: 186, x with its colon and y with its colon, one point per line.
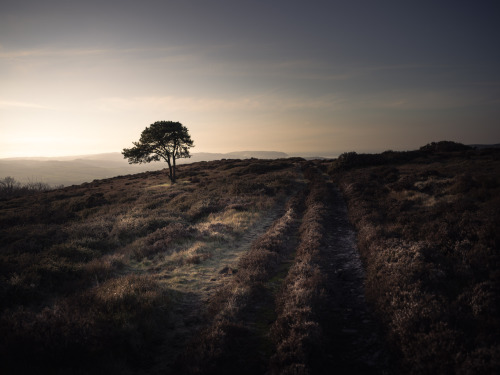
x: 370, y: 263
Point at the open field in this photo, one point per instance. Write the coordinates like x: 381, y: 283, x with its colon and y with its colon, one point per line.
x: 252, y: 266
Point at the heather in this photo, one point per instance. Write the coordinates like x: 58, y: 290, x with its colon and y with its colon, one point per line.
x: 428, y: 233
x: 369, y: 263
x: 92, y: 274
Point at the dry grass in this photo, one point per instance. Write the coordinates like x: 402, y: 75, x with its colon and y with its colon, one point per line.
x: 89, y: 273
x: 117, y: 275
x: 296, y: 332
x: 428, y: 231
x: 232, y: 341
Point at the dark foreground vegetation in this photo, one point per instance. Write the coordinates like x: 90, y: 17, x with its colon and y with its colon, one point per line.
x: 241, y: 267
x: 428, y: 225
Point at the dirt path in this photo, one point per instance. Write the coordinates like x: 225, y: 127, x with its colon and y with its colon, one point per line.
x: 353, y: 333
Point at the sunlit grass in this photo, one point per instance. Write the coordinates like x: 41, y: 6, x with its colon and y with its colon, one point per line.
x: 238, y: 221
x: 164, y: 185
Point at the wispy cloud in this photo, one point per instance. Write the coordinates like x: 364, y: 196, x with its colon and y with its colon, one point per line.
x: 281, y: 102
x: 421, y: 100
x: 16, y: 104
x: 201, y: 104
x: 202, y: 60
x: 48, y: 52
x: 57, y: 52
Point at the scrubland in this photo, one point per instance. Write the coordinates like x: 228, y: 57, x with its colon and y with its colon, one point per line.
x: 428, y: 225
x: 250, y: 266
x: 93, y: 275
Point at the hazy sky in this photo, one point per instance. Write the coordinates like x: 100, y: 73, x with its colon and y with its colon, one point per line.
x: 79, y: 77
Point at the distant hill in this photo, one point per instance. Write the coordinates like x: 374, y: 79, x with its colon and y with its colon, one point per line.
x: 73, y: 170
x: 481, y: 146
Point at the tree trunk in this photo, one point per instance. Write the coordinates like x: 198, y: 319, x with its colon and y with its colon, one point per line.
x: 170, y: 171
x: 175, y: 177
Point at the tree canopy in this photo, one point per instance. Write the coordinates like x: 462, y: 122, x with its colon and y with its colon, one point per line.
x: 167, y: 140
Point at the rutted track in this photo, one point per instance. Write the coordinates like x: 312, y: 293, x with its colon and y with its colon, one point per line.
x: 324, y: 324
x: 297, y: 303
x: 242, y: 311
x: 353, y: 335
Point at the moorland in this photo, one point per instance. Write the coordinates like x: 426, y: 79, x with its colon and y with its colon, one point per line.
x: 368, y: 263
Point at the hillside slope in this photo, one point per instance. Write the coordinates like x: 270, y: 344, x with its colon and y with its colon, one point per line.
x: 122, y: 275
x: 251, y: 266
x: 74, y: 170
x: 92, y: 272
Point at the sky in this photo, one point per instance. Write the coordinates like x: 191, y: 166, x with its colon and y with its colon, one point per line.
x: 318, y: 77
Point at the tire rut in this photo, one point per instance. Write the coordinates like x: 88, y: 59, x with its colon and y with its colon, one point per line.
x: 353, y: 333
x: 324, y: 324
x: 240, y: 342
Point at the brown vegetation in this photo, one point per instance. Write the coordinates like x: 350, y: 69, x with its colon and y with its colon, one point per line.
x: 429, y: 234
x: 274, y: 316
x: 85, y: 270
x: 296, y: 332
x: 235, y: 340
x: 246, y: 266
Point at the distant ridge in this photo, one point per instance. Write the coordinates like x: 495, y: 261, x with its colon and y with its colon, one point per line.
x: 481, y: 146
x: 77, y: 169
x: 117, y: 156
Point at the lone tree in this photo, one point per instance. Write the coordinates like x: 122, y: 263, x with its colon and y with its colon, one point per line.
x: 167, y: 140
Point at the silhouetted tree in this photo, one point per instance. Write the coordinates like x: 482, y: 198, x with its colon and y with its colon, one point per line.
x: 9, y: 184
x: 10, y: 187
x: 167, y: 140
